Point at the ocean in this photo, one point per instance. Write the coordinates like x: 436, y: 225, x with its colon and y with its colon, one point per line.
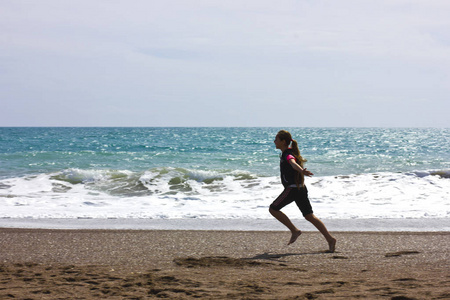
x: 229, y: 174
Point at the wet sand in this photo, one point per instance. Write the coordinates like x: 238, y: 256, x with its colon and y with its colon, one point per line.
x: 146, y: 264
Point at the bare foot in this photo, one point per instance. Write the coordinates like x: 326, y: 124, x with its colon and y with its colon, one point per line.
x: 294, y: 236
x: 332, y: 245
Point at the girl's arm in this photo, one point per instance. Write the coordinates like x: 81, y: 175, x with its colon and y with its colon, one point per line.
x: 297, y: 167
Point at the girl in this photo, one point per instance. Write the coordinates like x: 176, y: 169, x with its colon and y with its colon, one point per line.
x: 292, y: 177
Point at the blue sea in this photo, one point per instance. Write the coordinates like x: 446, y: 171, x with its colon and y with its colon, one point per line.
x: 229, y: 174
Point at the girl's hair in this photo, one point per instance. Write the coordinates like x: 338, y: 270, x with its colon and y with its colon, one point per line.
x: 286, y: 136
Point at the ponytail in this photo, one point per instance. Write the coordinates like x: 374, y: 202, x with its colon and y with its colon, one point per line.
x: 300, y: 178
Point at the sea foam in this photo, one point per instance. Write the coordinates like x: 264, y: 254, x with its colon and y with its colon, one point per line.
x: 186, y: 193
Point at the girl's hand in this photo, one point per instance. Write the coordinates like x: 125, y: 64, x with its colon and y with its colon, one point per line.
x: 307, y: 172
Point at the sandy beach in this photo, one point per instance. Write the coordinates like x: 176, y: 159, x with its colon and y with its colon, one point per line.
x: 146, y: 264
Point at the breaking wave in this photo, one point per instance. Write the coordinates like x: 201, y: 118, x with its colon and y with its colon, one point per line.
x: 167, y: 192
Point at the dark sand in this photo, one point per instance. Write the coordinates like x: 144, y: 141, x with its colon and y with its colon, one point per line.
x: 145, y: 264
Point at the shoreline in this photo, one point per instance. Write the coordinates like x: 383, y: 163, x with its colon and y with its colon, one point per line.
x: 208, y: 264
x: 340, y: 225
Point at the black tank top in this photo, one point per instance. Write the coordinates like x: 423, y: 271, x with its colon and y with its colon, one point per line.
x: 287, y: 172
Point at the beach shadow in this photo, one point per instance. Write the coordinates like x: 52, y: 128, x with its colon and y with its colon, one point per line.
x: 276, y: 256
x: 215, y: 261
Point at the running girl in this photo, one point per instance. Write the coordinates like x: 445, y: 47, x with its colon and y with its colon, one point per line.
x: 292, y: 177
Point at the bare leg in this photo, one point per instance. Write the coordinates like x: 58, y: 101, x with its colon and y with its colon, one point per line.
x: 321, y: 227
x: 280, y: 216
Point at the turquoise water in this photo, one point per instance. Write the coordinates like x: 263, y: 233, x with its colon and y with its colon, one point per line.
x: 219, y: 172
x: 330, y: 151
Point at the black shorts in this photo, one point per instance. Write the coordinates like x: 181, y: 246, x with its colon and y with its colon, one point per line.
x: 291, y: 194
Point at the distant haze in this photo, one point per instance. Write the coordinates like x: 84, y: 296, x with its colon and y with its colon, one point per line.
x: 225, y: 63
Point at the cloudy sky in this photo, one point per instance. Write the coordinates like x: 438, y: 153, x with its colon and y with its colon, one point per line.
x: 225, y: 63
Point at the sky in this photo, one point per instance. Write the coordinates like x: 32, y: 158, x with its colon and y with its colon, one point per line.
x: 304, y: 63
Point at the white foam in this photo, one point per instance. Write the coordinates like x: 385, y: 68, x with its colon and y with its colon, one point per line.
x: 177, y: 193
